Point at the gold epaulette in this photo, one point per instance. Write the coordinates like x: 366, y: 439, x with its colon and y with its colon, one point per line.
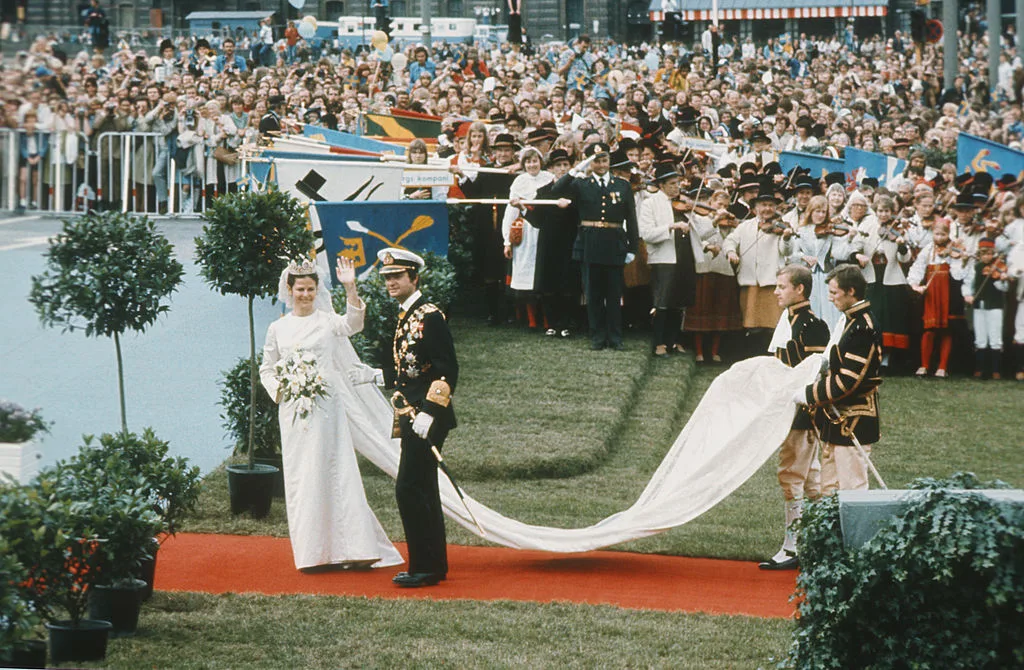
x: 440, y: 392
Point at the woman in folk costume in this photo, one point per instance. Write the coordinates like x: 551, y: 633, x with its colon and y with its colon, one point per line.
x: 936, y: 274
x: 886, y: 250
x: 670, y: 257
x: 521, y: 239
x: 716, y: 306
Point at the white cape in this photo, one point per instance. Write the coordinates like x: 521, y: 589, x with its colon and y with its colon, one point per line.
x: 741, y: 421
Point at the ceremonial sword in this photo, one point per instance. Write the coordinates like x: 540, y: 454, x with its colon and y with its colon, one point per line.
x: 403, y: 408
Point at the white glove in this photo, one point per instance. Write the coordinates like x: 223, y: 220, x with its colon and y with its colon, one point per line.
x: 800, y: 396
x: 364, y: 374
x: 421, y: 424
x: 630, y: 256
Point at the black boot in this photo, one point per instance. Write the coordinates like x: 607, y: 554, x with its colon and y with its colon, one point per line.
x: 979, y: 363
x: 997, y: 363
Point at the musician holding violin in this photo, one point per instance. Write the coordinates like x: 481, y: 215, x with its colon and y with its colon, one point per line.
x: 936, y: 274
x: 984, y: 288
x: 664, y: 223
x: 716, y: 307
x: 822, y: 243
x: 888, y: 290
x: 757, y: 249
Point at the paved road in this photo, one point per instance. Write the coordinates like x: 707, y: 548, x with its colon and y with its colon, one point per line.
x: 171, y: 371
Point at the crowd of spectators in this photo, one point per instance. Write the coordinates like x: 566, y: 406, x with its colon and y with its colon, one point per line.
x: 811, y: 93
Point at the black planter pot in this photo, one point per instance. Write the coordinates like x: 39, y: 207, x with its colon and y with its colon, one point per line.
x: 251, y: 490
x: 27, y: 654
x: 147, y: 570
x: 278, y: 462
x: 120, y: 605
x: 85, y: 642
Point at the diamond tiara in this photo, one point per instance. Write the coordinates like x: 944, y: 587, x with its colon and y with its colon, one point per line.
x: 304, y: 268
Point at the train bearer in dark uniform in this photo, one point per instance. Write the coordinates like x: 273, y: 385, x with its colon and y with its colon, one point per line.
x: 606, y: 241
x: 844, y: 400
x: 799, y: 333
x: 424, y: 377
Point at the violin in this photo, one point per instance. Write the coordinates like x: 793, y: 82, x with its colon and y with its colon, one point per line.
x: 953, y: 249
x: 774, y: 226
x: 832, y: 227
x: 725, y: 219
x: 996, y: 270
x: 893, y: 230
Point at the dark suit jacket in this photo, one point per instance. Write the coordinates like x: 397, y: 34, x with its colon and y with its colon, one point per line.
x: 809, y: 336
x: 424, y: 353
x: 605, y: 246
x: 850, y: 384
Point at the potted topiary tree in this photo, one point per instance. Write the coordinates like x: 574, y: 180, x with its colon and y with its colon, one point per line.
x: 19, y: 454
x: 106, y: 273
x: 170, y: 485
x: 234, y: 398
x: 246, y: 243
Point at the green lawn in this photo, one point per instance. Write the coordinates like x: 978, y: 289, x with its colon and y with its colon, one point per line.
x: 554, y: 434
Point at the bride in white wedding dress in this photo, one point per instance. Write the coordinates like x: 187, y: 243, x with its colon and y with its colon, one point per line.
x: 329, y: 520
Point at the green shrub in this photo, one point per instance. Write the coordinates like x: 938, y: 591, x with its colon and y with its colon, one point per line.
x: 437, y: 282
x: 940, y: 586
x: 234, y: 398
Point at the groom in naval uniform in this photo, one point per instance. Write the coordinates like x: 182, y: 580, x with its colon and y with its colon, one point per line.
x: 424, y: 375
x: 607, y: 240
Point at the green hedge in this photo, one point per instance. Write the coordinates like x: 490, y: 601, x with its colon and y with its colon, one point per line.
x: 940, y: 586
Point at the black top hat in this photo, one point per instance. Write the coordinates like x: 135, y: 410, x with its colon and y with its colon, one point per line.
x: 1007, y: 182
x: 965, y: 200
x: 596, y: 149
x: 748, y: 181
x: 835, y: 178
x: 620, y: 161
x: 870, y: 182
x: 665, y: 170
x: 980, y: 199
x: 804, y: 181
x: 771, y: 168
x: 983, y: 182
x: 558, y: 155
x: 963, y: 180
x: 504, y: 140
x: 759, y: 136
x: 727, y: 171
x: 537, y: 135
x: 653, y: 131
x: 515, y: 118
x: 748, y: 167
x: 310, y: 185
x: 275, y: 101
x: 766, y: 191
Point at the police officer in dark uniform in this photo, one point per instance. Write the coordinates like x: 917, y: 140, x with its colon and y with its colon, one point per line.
x: 271, y: 121
x: 606, y: 241
x: 424, y: 376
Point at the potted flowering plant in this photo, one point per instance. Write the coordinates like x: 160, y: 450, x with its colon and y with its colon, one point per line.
x: 19, y: 454
x: 245, y: 244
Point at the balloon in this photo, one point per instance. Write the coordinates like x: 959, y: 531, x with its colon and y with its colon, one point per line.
x: 306, y: 30
x: 310, y: 19
x: 379, y: 40
x: 399, y: 61
x: 297, y: 4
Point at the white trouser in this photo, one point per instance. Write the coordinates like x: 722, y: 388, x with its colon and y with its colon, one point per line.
x: 1018, y: 324
x: 988, y: 329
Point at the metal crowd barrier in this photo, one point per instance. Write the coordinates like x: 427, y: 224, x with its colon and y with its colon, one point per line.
x: 126, y: 171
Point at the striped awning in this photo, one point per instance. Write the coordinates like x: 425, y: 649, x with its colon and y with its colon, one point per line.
x: 737, y: 10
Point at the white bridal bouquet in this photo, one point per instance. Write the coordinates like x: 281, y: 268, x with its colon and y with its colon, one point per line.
x: 300, y: 381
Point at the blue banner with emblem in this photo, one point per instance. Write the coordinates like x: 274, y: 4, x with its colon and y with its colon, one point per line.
x: 860, y: 164
x: 818, y: 165
x: 976, y: 154
x: 358, y: 230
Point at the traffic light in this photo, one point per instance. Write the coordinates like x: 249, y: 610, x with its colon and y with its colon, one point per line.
x: 918, y: 19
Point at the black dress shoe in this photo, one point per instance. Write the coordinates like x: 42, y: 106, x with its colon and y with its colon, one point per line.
x: 597, y: 346
x: 792, y: 563
x: 417, y: 579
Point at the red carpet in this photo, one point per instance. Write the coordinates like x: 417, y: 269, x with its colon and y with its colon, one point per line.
x: 246, y: 564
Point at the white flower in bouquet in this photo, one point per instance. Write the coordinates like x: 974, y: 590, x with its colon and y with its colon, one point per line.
x: 301, y: 381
